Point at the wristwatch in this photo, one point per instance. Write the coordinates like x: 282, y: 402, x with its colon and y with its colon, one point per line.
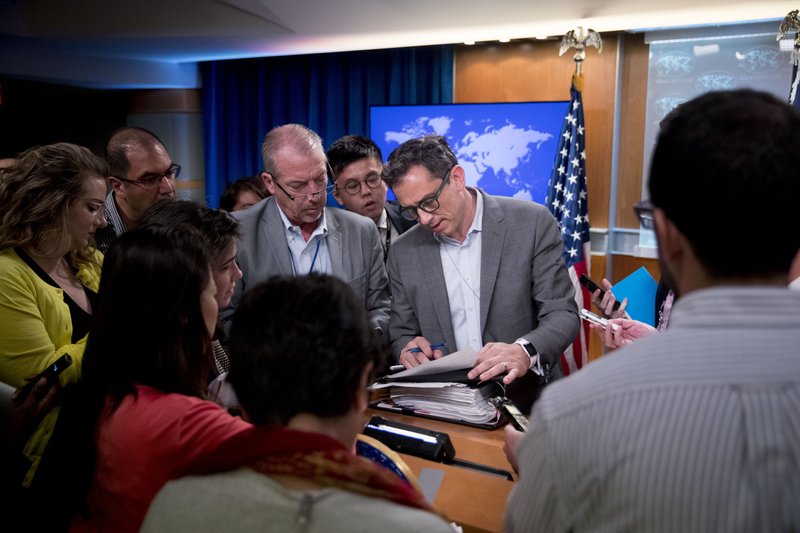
x: 530, y: 350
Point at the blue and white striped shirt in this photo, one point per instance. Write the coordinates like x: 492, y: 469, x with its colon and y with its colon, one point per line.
x: 695, y: 429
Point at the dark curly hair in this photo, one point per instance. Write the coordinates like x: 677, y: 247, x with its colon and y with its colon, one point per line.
x: 300, y: 345
x: 431, y: 152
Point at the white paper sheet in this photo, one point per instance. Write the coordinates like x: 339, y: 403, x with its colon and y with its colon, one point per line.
x: 455, y: 361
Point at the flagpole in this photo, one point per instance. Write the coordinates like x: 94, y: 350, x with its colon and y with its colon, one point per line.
x: 567, y: 196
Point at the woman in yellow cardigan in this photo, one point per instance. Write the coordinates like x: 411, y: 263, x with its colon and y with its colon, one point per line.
x: 52, y: 203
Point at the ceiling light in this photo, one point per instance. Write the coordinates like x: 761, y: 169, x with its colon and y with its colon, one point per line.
x: 469, y: 43
x: 504, y: 40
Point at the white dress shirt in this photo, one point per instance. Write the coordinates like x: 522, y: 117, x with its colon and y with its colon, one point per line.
x: 307, y: 256
x: 461, y: 265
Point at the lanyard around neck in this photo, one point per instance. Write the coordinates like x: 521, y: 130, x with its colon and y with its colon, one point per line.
x: 313, y: 261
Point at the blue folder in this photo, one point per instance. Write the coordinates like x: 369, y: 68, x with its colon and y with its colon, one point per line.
x: 640, y: 290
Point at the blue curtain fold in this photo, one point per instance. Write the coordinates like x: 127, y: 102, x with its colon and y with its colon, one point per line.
x: 330, y: 93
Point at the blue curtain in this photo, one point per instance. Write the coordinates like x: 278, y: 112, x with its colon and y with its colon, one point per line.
x: 330, y: 93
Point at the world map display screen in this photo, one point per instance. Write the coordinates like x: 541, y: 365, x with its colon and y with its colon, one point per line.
x: 506, y: 149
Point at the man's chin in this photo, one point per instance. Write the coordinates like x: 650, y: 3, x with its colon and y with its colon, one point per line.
x: 373, y: 212
x: 311, y: 216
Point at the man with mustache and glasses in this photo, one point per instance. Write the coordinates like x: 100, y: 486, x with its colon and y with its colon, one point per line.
x: 478, y: 271
x: 141, y: 173
x: 293, y: 233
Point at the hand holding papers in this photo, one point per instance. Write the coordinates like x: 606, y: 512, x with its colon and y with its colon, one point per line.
x: 455, y: 361
x: 440, y: 389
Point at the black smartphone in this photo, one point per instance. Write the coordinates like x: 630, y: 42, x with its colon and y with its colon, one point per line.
x: 50, y: 373
x: 589, y: 283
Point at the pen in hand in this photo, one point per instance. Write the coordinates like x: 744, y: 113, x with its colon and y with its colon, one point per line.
x: 398, y: 368
x: 433, y: 347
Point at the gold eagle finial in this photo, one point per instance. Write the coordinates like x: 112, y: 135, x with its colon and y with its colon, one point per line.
x: 580, y: 39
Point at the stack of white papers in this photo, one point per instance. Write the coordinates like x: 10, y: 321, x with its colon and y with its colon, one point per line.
x: 452, y: 401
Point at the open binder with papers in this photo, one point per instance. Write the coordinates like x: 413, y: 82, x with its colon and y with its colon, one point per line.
x: 441, y: 390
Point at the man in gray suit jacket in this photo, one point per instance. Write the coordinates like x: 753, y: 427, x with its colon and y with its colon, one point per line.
x: 477, y: 271
x: 293, y: 233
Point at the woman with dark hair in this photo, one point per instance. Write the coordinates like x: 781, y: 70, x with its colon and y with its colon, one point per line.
x: 217, y: 231
x: 145, y: 371
x: 302, y: 355
x: 52, y: 204
x: 242, y: 193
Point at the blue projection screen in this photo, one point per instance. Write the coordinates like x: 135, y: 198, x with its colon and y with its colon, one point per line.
x: 507, y: 149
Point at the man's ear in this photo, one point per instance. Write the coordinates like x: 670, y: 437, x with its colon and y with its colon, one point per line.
x: 116, y: 185
x: 335, y: 191
x: 672, y: 243
x: 362, y: 394
x: 458, y: 177
x: 266, y: 177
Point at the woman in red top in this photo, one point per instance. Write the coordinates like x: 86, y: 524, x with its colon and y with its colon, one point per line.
x: 145, y: 370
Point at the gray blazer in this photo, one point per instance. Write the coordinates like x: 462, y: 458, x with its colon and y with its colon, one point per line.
x: 353, y: 243
x: 525, y: 287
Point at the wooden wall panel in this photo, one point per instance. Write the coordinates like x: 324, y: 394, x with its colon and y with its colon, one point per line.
x: 533, y: 71
x: 597, y: 267
x: 632, y: 122
x: 624, y: 265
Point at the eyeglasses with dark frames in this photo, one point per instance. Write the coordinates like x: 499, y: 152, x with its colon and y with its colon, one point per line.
x: 151, y: 181
x: 644, y: 211
x: 353, y: 187
x: 429, y: 204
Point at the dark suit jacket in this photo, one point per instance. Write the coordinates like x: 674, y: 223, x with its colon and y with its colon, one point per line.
x: 353, y: 244
x: 526, y: 291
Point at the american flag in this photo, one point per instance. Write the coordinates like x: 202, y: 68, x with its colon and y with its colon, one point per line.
x: 567, y: 200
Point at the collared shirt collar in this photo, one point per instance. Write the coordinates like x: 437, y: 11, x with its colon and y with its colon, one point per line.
x: 112, y: 215
x: 292, y: 231
x: 383, y: 221
x: 477, y: 220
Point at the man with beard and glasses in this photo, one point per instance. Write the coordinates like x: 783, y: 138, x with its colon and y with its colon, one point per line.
x: 141, y: 173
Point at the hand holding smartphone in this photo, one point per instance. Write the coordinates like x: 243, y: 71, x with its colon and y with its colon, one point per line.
x: 50, y: 373
x: 594, y: 319
x: 589, y: 283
